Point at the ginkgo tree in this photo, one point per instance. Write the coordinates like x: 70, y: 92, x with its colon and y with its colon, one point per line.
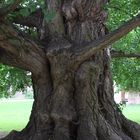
x: 65, y: 45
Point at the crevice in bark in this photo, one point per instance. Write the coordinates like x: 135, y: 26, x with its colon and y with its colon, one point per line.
x: 62, y: 107
x: 87, y: 101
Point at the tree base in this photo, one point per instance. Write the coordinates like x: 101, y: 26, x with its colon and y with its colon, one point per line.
x: 102, y: 131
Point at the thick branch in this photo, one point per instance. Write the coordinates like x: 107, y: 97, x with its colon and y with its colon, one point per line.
x: 7, y: 58
x: 9, y: 8
x: 33, y: 20
x: 119, y: 54
x: 86, y: 51
x: 19, y: 50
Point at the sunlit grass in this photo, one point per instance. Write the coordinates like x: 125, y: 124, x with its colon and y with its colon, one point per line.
x: 14, y: 114
x: 132, y: 112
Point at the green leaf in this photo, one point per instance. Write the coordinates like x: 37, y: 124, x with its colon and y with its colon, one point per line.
x: 25, y: 12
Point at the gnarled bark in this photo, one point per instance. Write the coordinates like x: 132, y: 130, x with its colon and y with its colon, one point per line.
x: 73, y: 91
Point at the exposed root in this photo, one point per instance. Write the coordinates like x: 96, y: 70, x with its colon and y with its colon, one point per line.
x: 131, y: 128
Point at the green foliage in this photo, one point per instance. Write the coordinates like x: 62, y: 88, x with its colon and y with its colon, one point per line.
x: 126, y: 72
x: 129, y: 43
x: 12, y: 80
x: 25, y: 12
x: 120, y: 107
x: 121, y: 11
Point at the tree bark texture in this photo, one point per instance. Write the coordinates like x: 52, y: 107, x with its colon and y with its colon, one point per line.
x: 73, y: 97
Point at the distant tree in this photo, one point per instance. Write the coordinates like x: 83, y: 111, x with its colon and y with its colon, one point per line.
x: 126, y: 51
x: 64, y: 44
x: 127, y: 74
x: 13, y: 80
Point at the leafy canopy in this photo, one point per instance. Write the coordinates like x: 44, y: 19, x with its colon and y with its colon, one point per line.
x: 12, y: 80
x: 126, y: 71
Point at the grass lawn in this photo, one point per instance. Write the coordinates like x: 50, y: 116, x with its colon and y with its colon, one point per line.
x: 15, y: 114
x: 132, y: 112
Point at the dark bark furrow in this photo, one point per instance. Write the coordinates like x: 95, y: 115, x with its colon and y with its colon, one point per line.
x: 85, y: 104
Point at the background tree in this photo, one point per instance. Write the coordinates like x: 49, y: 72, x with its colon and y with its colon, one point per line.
x: 13, y: 80
x: 126, y: 51
x: 68, y: 57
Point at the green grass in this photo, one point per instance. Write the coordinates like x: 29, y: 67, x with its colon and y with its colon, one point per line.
x: 14, y: 114
x: 132, y: 112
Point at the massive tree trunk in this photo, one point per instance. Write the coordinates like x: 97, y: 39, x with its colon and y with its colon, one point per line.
x: 73, y: 90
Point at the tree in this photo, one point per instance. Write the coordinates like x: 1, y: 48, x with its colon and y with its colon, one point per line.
x: 13, y: 80
x: 126, y: 64
x: 126, y: 74
x: 70, y: 68
x: 125, y: 52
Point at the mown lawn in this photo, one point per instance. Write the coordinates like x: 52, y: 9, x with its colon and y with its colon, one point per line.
x: 132, y: 112
x: 15, y: 114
